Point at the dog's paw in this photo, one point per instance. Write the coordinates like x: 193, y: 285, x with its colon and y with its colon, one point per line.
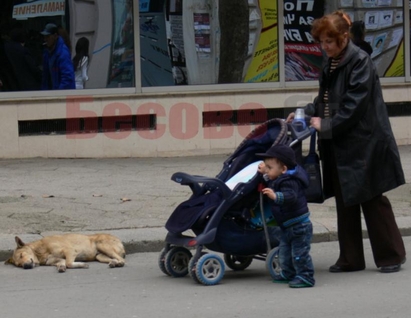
x: 115, y: 263
x: 86, y: 266
x: 61, y: 268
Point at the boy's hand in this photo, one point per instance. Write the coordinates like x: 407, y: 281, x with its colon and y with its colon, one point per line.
x: 261, y: 168
x: 290, y: 117
x: 269, y: 193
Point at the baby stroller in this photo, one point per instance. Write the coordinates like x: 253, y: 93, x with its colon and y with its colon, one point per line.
x: 224, y: 212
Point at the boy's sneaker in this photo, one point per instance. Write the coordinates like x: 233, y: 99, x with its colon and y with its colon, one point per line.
x: 299, y: 283
x: 278, y: 279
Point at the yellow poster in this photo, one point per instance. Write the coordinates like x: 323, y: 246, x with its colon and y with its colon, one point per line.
x: 264, y: 61
x: 396, y: 68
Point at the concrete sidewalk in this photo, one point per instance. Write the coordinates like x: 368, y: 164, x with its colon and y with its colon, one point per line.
x: 131, y: 198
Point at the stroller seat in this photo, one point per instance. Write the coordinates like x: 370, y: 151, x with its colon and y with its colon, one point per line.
x: 195, y: 212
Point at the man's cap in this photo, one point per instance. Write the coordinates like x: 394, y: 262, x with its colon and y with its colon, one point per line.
x: 281, y: 152
x: 50, y: 28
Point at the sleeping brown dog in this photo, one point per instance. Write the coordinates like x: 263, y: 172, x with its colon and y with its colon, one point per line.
x: 69, y: 251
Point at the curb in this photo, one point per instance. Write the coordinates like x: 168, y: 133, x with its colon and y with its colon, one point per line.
x: 152, y: 239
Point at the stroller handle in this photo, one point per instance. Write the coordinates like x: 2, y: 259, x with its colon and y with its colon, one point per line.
x: 194, y: 181
x: 299, y: 134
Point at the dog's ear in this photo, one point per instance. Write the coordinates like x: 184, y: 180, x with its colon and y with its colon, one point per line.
x: 9, y: 261
x: 19, y: 242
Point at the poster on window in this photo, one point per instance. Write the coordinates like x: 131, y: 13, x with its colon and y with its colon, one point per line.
x: 303, y: 58
x: 378, y: 44
x: 371, y: 20
x: 264, y: 63
x: 202, y: 34
x: 399, y: 17
x: 369, y: 39
x: 385, y: 19
x: 396, y: 67
x: 396, y: 37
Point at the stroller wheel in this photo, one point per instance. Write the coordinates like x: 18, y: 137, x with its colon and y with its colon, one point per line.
x: 210, y: 269
x: 192, y: 267
x: 237, y: 263
x: 161, y: 261
x: 272, y: 262
x: 176, y: 261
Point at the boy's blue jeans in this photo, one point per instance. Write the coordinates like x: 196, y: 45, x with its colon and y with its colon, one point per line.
x: 294, y: 253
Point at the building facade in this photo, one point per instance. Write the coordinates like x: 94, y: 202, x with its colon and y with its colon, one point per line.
x: 184, y: 77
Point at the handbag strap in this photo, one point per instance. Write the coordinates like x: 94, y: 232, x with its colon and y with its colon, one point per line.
x: 312, y: 141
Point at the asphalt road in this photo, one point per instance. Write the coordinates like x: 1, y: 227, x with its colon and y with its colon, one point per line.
x: 141, y: 290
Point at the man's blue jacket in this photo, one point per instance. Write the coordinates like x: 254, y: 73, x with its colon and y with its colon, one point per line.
x: 58, y: 71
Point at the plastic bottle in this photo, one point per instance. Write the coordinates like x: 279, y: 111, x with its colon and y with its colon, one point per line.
x: 299, y: 120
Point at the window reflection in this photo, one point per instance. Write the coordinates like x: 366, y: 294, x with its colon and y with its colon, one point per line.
x: 195, y: 42
x: 122, y: 52
x: 187, y: 42
x: 107, y: 25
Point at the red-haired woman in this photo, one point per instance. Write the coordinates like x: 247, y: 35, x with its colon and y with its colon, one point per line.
x: 359, y: 154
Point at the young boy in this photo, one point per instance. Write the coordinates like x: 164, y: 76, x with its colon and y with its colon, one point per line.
x: 286, y: 185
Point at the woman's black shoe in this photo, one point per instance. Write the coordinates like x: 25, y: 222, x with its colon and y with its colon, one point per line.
x: 340, y: 269
x: 392, y: 268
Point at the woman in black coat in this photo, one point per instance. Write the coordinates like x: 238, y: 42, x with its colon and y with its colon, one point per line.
x: 358, y: 151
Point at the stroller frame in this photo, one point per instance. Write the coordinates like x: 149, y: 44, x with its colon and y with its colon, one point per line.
x: 176, y: 259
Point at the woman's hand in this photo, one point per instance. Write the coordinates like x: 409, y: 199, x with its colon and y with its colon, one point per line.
x: 269, y: 193
x: 315, y: 122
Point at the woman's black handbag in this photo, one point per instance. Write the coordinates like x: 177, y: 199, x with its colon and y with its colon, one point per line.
x: 311, y: 164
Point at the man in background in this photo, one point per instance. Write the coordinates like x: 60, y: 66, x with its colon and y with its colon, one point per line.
x: 28, y: 74
x: 58, y: 71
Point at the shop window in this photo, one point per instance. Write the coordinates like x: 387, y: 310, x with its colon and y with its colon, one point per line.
x: 195, y: 42
x: 107, y: 26
x: 383, y: 23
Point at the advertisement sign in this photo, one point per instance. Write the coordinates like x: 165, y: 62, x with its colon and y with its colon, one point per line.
x: 264, y: 65
x: 303, y: 58
x: 396, y: 68
x: 45, y: 8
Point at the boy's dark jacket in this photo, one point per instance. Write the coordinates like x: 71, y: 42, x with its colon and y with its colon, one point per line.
x: 291, y: 185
